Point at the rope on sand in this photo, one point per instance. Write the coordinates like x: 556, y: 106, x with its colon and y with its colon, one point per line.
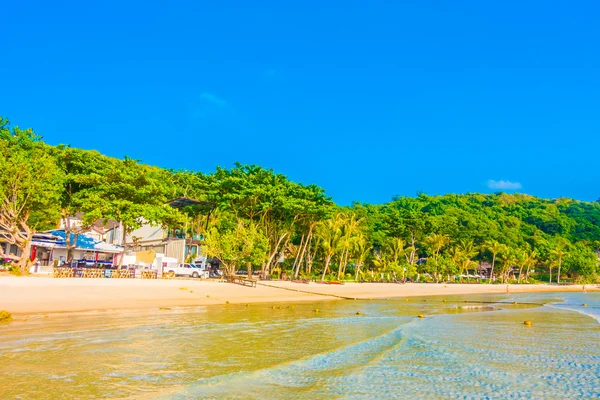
x: 307, y: 292
x: 402, y: 299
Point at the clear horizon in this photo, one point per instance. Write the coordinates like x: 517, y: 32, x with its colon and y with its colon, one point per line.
x: 366, y: 101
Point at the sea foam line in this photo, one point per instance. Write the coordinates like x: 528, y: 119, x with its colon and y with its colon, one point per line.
x: 279, y: 375
x: 577, y: 310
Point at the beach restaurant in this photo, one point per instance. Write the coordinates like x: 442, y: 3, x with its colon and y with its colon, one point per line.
x: 50, y: 248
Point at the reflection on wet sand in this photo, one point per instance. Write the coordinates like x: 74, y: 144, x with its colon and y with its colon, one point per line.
x: 356, y: 349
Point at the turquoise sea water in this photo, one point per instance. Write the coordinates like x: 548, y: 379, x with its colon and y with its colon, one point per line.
x: 465, y: 350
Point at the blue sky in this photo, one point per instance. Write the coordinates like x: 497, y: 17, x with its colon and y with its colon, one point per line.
x: 367, y: 99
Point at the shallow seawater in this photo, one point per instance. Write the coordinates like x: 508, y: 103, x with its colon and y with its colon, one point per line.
x: 469, y: 347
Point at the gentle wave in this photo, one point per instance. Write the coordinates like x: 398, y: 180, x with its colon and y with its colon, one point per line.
x: 357, y: 350
x: 300, y: 373
x: 591, y: 312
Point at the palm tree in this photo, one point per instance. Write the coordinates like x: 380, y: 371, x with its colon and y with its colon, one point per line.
x: 362, y: 252
x: 558, y: 254
x: 379, y: 261
x: 465, y: 264
x: 350, y: 227
x: 329, y: 233
x: 468, y: 251
x: 525, y: 258
x: 436, y: 241
x: 522, y: 259
x: 494, y: 247
x: 396, y: 247
x: 456, y: 256
x: 508, y: 260
x: 531, y: 262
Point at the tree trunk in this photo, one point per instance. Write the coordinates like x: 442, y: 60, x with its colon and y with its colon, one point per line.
x: 309, y: 259
x: 296, y: 259
x: 414, y: 249
x: 345, y: 263
x: 124, y: 244
x: 327, y: 261
x: 275, y: 251
x: 71, y: 246
x: 558, y: 274
x: 67, y: 224
x: 25, y: 254
x: 249, y: 270
x: 263, y: 267
x: 492, y: 271
x: 71, y: 243
x: 341, y: 263
x: 550, y: 274
x: 24, y: 243
x: 308, y: 238
x: 520, y: 273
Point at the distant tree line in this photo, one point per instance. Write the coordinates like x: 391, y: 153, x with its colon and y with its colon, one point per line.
x: 265, y: 222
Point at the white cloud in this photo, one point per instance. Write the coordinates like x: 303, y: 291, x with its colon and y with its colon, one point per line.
x: 504, y: 185
x: 213, y: 99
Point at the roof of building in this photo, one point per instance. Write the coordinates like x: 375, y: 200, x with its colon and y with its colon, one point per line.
x: 181, y: 202
x: 57, y: 239
x: 102, y: 225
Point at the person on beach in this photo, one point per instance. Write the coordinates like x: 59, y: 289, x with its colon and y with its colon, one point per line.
x: 507, y: 291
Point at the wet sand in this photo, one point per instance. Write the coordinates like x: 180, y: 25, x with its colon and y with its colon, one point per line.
x: 30, y: 295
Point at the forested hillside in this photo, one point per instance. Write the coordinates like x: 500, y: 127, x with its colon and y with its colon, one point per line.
x: 264, y: 221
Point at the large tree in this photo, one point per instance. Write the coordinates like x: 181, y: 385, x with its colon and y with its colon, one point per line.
x: 82, y: 169
x: 241, y: 245
x: 30, y: 189
x: 273, y: 202
x: 130, y: 193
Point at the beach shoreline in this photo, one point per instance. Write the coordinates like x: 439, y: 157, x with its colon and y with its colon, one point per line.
x: 39, y: 295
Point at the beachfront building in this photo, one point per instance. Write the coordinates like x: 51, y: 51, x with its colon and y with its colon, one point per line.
x: 50, y: 248
x: 143, y: 244
x: 174, y: 243
x: 101, y: 230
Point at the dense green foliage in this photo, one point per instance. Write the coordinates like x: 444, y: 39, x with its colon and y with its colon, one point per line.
x: 264, y: 221
x: 30, y: 183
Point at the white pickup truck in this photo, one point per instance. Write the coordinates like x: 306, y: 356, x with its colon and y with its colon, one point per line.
x: 183, y: 269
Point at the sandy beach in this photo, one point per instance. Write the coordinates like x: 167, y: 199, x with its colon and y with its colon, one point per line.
x: 29, y: 295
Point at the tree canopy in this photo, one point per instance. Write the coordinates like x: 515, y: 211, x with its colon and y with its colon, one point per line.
x: 265, y: 221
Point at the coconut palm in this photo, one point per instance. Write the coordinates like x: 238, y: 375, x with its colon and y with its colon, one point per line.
x: 456, y: 256
x: 531, y: 262
x: 362, y: 251
x: 329, y: 233
x: 396, y: 248
x: 465, y: 264
x: 468, y: 251
x: 379, y: 262
x: 494, y: 247
x: 525, y: 258
x: 559, y: 254
x: 435, y: 242
x: 350, y: 228
x: 508, y: 259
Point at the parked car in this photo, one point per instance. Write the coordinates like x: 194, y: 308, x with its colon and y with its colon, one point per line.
x: 184, y: 269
